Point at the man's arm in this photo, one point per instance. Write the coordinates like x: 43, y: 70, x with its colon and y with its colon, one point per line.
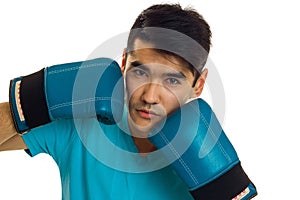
x: 9, y: 138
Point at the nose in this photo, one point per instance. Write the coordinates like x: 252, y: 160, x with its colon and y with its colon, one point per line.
x: 151, y: 93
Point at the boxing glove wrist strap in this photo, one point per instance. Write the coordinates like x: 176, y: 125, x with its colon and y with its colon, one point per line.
x: 227, y: 186
x: 29, y: 102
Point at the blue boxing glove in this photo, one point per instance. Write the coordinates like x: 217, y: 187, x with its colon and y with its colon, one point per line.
x: 93, y: 88
x: 194, y: 141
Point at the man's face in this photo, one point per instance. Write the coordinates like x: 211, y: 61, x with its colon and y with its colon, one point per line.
x: 156, y: 85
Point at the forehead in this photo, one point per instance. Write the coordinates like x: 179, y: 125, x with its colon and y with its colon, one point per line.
x: 146, y: 54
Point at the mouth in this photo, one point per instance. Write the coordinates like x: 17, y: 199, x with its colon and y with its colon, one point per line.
x: 147, y: 114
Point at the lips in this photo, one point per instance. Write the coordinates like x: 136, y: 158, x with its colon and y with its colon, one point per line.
x: 147, y: 114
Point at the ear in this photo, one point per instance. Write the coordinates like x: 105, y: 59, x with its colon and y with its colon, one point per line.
x: 124, y: 56
x: 198, y: 88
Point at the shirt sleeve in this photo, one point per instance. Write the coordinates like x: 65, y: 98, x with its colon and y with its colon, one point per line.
x: 53, y: 138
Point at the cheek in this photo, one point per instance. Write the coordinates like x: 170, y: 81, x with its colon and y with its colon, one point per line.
x: 133, y: 90
x: 132, y: 84
x: 170, y: 101
x: 181, y: 95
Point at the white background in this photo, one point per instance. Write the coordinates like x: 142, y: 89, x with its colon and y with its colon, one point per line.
x: 255, y: 49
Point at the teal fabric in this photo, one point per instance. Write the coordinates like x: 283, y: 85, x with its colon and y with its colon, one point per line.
x: 92, y: 165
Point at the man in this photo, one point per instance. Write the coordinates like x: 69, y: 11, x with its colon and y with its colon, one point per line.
x: 163, y: 70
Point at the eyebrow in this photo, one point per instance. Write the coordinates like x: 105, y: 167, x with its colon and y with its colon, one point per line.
x: 139, y: 65
x: 179, y: 75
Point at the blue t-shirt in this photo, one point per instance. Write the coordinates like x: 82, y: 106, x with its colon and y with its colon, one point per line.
x: 99, y: 161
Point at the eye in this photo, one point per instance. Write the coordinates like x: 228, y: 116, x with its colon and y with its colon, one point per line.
x: 172, y: 81
x: 139, y: 72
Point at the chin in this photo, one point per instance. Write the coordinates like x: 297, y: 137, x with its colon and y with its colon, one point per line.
x: 141, y: 128
x: 144, y: 127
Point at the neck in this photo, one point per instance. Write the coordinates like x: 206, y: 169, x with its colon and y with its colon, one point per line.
x: 143, y: 145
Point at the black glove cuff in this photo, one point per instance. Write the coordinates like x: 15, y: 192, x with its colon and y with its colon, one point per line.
x: 33, y: 100
x: 225, y: 187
